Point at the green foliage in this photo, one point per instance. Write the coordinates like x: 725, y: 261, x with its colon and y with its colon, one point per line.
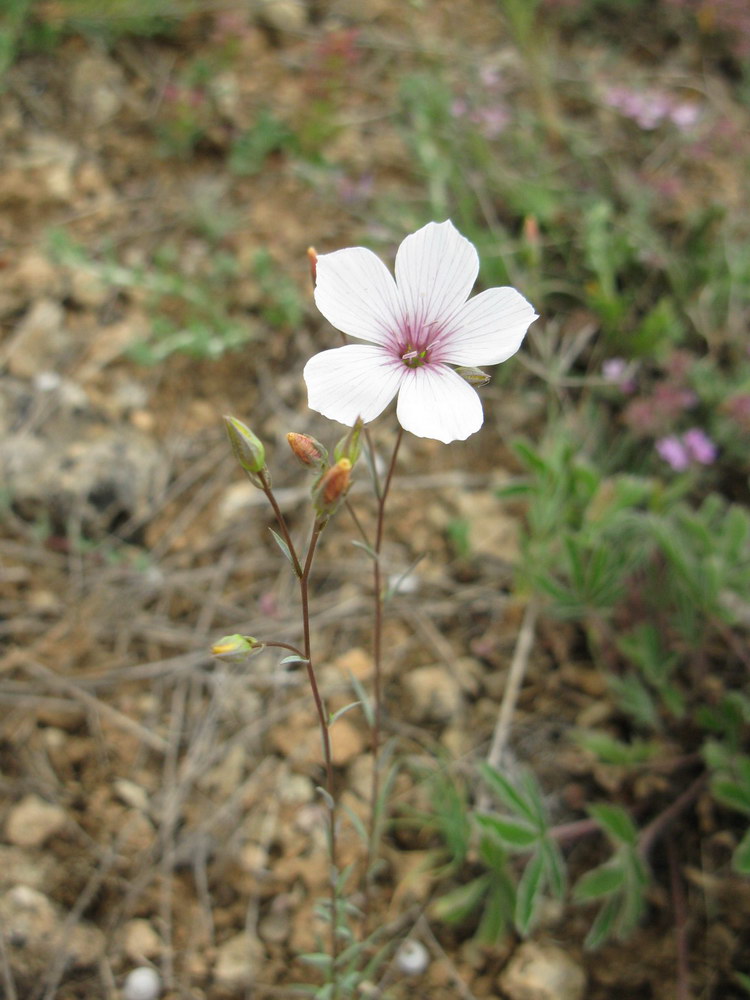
x: 190, y: 313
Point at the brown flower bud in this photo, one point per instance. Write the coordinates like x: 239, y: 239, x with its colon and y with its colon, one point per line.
x: 331, y: 488
x: 309, y: 451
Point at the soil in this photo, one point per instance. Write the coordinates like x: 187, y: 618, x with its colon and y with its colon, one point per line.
x: 158, y: 804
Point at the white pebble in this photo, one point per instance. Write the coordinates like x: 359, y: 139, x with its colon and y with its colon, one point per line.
x: 142, y: 983
x: 412, y: 958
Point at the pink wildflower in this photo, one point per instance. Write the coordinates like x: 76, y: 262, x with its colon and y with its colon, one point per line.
x: 415, y: 329
x: 674, y: 452
x: 700, y: 446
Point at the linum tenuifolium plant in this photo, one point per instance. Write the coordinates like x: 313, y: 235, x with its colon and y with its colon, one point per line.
x: 423, y: 340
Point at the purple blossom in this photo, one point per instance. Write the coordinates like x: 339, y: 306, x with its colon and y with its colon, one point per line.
x: 700, y: 446
x: 674, y: 452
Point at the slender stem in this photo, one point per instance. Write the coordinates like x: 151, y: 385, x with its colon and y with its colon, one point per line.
x: 651, y: 833
x: 304, y: 580
x: 516, y: 675
x: 377, y: 640
x: 281, y: 521
x: 679, y: 908
x: 286, y: 645
x: 303, y: 575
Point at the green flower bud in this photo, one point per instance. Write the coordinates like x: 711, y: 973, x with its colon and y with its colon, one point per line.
x: 474, y: 376
x: 247, y: 448
x: 236, y: 648
x: 349, y: 446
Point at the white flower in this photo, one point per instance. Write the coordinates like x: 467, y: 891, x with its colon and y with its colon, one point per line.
x: 415, y: 327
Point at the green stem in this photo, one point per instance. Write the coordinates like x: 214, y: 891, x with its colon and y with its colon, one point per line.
x: 377, y: 646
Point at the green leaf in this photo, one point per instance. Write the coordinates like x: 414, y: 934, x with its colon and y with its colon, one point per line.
x: 599, y: 882
x: 342, y: 711
x: 528, y: 893
x: 365, y: 548
x: 603, y: 923
x: 294, y: 658
x: 732, y: 794
x: 554, y: 867
x: 615, y: 821
x: 459, y: 903
x: 318, y: 959
x: 283, y: 546
x: 514, y: 833
x: 741, y: 856
x: 507, y: 794
x: 496, y: 914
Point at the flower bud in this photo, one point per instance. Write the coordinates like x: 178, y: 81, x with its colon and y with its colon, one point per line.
x: 236, y: 648
x: 312, y: 256
x: 331, y: 488
x: 349, y: 446
x: 309, y: 451
x: 247, y: 448
x: 474, y: 376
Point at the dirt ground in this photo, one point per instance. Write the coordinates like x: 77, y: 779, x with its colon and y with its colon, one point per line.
x: 159, y: 806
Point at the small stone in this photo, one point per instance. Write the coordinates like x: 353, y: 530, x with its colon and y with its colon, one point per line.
x: 39, y: 338
x: 33, y: 821
x: 284, y: 15
x: 432, y: 694
x: 141, y: 940
x: 542, y: 972
x: 131, y: 794
x: 28, y: 917
x: 412, y: 958
x: 97, y: 87
x: 237, y: 961
x: 142, y: 983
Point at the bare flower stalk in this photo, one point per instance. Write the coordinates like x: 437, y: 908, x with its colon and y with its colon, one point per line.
x: 377, y: 647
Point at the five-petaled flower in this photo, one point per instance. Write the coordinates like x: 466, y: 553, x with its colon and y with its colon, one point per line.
x: 415, y: 329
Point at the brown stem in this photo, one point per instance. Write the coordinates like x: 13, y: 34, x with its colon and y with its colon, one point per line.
x: 679, y: 909
x: 281, y: 521
x: 304, y: 580
x: 651, y: 833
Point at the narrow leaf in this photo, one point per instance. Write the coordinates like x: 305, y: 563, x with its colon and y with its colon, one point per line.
x: 461, y: 902
x: 599, y: 882
x: 528, y: 893
x: 283, y: 546
x: 615, y: 821
x: 741, y: 856
x: 343, y: 711
x: 514, y: 833
x: 507, y: 794
x: 603, y: 923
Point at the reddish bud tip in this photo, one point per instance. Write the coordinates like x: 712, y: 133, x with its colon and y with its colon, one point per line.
x: 309, y: 451
x: 332, y: 488
x: 312, y: 256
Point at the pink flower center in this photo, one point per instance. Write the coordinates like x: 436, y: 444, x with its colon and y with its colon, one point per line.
x: 415, y: 345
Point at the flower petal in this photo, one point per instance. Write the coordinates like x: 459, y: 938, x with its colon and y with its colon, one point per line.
x: 488, y: 329
x: 353, y: 381
x: 436, y: 268
x: 435, y: 402
x: 357, y: 294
